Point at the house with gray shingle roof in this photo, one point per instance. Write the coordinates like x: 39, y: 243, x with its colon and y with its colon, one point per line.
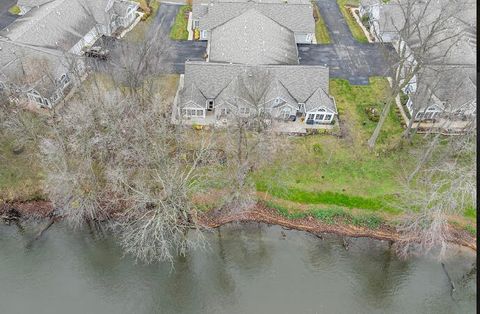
x: 448, y: 87
x: 297, y: 16
x: 257, y: 39
x: 212, y: 91
x: 54, y: 33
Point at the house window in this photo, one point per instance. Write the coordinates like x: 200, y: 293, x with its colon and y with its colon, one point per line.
x: 319, y: 117
x: 225, y: 111
x: 196, y: 23
x: 285, y: 113
x: 64, y: 80
x: 192, y: 112
x: 210, y: 104
x: 204, y: 34
x: 244, y: 110
x: 328, y: 117
x: 309, y: 37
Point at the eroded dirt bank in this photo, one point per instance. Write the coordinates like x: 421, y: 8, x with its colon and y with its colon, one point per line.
x: 43, y: 209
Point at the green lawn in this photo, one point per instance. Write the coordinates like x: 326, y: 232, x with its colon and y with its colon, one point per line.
x: 20, y: 174
x: 356, y: 30
x: 179, y: 29
x: 321, y: 31
x: 325, y: 169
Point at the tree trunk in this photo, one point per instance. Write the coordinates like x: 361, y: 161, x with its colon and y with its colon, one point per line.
x: 378, y: 128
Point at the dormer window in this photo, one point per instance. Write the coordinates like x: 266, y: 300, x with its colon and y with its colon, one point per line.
x: 210, y: 104
x: 301, y: 107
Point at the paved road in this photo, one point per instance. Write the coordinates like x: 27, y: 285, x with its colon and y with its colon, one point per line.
x: 180, y: 50
x: 346, y: 58
x: 354, y: 63
x: 5, y: 17
x: 337, y: 26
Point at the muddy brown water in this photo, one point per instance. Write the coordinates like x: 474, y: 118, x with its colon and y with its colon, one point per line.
x: 248, y: 268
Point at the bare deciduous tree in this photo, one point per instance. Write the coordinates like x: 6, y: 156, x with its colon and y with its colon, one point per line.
x: 444, y: 184
x: 251, y: 141
x: 426, y: 34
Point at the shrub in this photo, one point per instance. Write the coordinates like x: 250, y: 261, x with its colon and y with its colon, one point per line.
x: 372, y: 114
x: 15, y: 10
x: 369, y: 221
x: 329, y: 216
x: 317, y: 149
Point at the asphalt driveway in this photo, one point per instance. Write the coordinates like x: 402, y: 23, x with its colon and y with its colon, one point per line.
x: 5, y: 17
x: 356, y: 63
x: 337, y: 26
x: 346, y: 57
x: 180, y: 51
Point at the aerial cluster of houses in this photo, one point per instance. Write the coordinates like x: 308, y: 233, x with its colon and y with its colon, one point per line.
x: 447, y: 86
x: 42, y: 57
x: 41, y: 51
x: 246, y: 38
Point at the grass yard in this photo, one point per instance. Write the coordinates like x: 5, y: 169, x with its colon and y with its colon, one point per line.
x: 343, y: 171
x: 356, y: 30
x: 321, y: 31
x: 179, y: 29
x: 20, y: 176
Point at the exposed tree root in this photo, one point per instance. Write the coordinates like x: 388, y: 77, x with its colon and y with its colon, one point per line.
x: 262, y: 214
x: 314, y: 226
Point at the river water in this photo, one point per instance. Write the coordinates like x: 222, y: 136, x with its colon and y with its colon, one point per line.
x: 250, y: 268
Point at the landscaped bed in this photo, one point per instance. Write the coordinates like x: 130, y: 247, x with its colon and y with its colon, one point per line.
x: 15, y: 10
x: 179, y: 29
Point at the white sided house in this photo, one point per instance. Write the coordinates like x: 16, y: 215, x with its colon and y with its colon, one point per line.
x: 40, y: 52
x: 297, y: 16
x: 215, y: 91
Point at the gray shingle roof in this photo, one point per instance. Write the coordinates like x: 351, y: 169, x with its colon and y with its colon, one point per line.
x: 57, y: 24
x: 32, y: 3
x: 452, y: 86
x: 300, y: 81
x: 31, y: 67
x: 296, y: 17
x: 320, y: 98
x: 278, y: 90
x: 252, y: 38
x: 192, y: 97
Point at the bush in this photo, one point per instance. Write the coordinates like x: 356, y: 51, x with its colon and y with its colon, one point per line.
x: 369, y: 221
x: 372, y: 114
x: 403, y: 99
x: 317, y: 149
x: 15, y: 10
x: 330, y: 216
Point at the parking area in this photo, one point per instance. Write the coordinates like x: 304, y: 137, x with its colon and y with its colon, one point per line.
x: 6, y: 18
x: 346, y: 58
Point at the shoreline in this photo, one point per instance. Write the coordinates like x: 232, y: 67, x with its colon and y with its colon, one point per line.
x: 261, y: 214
